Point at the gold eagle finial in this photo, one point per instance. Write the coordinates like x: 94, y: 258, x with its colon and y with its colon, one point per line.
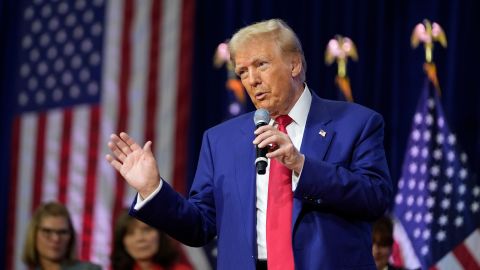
x: 339, y: 49
x: 428, y: 33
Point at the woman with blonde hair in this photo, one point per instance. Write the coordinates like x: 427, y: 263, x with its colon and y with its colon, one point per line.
x: 50, y: 240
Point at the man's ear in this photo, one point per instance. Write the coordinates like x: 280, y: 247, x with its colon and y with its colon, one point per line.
x: 296, y: 65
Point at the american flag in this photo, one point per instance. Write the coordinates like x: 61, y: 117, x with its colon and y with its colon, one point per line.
x: 438, y: 201
x: 87, y: 69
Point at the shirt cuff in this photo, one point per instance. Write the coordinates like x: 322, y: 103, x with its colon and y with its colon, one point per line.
x: 141, y: 202
x: 295, y: 179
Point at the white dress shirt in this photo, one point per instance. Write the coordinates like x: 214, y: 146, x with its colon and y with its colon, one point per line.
x: 295, y: 131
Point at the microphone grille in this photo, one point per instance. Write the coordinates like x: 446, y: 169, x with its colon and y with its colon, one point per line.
x: 261, y: 116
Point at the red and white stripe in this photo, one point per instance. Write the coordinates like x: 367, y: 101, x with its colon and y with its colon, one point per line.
x: 49, y: 166
x: 465, y: 256
x: 59, y: 154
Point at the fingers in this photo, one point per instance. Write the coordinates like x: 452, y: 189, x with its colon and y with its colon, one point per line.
x: 282, y: 148
x: 262, y: 133
x: 118, y: 153
x: 286, y: 150
x: 263, y: 129
x: 129, y: 141
x: 148, y: 147
x: 269, y: 136
x: 280, y: 143
x: 122, y: 145
x: 276, y: 140
x: 117, y: 165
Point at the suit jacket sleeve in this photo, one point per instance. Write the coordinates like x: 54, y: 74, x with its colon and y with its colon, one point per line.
x: 190, y: 221
x: 354, y: 183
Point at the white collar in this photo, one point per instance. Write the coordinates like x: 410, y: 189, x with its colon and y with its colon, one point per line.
x: 299, y: 112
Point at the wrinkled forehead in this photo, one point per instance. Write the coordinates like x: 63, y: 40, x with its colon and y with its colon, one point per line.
x: 255, y: 45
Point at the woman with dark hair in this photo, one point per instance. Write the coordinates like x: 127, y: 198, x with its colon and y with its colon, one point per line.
x: 382, y: 243
x: 137, y: 246
x: 50, y: 240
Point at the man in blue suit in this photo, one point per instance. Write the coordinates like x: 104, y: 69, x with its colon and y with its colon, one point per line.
x: 332, y: 151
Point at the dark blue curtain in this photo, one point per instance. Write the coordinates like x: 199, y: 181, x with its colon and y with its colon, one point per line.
x: 8, y: 11
x: 388, y: 76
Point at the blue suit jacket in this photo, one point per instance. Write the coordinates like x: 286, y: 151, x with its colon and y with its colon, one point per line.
x: 344, y: 185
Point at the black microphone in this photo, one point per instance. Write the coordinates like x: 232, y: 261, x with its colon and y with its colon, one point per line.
x: 261, y: 118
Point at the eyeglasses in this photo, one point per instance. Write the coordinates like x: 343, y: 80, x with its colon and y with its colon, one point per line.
x: 48, y: 232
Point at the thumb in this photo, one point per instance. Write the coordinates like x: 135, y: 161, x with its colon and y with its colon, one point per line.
x: 148, y: 147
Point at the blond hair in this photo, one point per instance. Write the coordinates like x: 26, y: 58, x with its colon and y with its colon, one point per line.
x: 276, y: 29
x: 49, y: 209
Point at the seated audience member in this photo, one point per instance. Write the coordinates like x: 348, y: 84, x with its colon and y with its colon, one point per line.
x: 137, y: 246
x: 50, y: 240
x: 382, y: 243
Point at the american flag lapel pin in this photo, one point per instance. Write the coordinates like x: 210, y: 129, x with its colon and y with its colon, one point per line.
x: 322, y: 133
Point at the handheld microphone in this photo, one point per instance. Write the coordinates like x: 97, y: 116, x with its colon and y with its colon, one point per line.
x: 261, y: 118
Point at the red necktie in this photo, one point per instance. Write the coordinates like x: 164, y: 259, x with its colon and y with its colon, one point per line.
x: 279, y: 211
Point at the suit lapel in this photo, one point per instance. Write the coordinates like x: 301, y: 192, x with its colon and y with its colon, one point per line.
x: 245, y: 180
x: 316, y: 140
x: 315, y: 143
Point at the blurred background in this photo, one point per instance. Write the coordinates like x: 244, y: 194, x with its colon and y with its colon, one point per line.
x: 73, y: 72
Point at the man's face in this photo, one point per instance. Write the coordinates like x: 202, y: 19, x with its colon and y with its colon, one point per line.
x: 53, y: 237
x: 267, y: 75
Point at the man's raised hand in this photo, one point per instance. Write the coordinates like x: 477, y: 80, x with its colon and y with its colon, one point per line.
x: 137, y: 165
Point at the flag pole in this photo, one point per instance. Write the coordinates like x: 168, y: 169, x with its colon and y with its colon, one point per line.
x: 427, y: 33
x: 339, y: 49
x: 437, y: 206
